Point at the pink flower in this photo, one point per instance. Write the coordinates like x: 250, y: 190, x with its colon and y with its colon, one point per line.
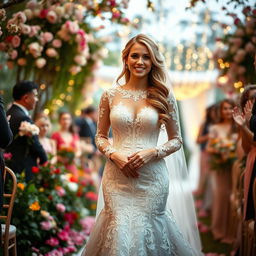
x: 25, y: 29
x: 43, y: 13
x: 70, y: 217
x: 74, y: 70
x: 60, y: 191
x: 28, y: 13
x: 79, y: 14
x: 40, y: 62
x: 16, y: 41
x: 46, y: 225
x: 80, y: 60
x: 92, y: 196
x: 13, y: 54
x: 54, y: 253
x: 61, y: 207
x: 72, y: 26
x: 52, y: 241
x: 87, y: 224
x: 34, y: 31
x: 35, y: 49
x: 20, y: 17
x: 51, y: 52
x: 22, y: 62
x: 71, y: 248
x: 46, y: 37
x: 32, y: 4
x: 51, y: 17
x: 116, y: 15
x: 7, y: 156
x: 63, y: 235
x: 56, y: 43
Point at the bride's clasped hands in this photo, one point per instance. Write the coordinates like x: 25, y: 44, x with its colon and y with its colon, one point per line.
x: 129, y: 165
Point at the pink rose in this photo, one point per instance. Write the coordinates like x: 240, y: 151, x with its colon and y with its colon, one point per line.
x: 75, y: 69
x: 79, y: 14
x: 46, y: 37
x: 25, y: 29
x: 51, y: 17
x: 40, y: 63
x: 51, y: 52
x: 20, y: 17
x: 91, y: 195
x: 28, y: 13
x: 61, y: 207
x: 116, y: 15
x: 7, y: 156
x: 16, y: 41
x: 72, y: 26
x: 52, y: 241
x: 35, y: 49
x: 13, y: 54
x: 71, y: 248
x: 87, y: 224
x: 22, y: 62
x: 80, y: 60
x: 54, y: 253
x: 56, y: 43
x: 32, y: 4
x: 60, y: 191
x: 34, y: 31
x: 46, y: 225
x: 63, y: 235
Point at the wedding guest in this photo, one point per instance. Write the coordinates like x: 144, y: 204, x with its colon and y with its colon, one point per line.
x: 5, y: 140
x: 49, y: 145
x: 26, y: 150
x: 67, y: 141
x: 221, y: 134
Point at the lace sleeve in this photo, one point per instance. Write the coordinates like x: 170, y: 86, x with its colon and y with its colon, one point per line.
x: 103, y: 126
x: 172, y: 126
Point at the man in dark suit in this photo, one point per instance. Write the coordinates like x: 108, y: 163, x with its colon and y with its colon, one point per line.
x: 87, y: 125
x: 26, y: 151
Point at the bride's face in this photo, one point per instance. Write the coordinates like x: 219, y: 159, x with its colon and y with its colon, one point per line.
x: 139, y: 61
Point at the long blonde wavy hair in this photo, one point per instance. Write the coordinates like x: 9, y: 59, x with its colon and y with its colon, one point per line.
x: 157, y: 90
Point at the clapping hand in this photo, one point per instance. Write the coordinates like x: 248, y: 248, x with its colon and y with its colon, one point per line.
x: 238, y: 117
x: 248, y: 110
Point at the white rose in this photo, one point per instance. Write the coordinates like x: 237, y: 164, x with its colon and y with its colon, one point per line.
x: 40, y: 63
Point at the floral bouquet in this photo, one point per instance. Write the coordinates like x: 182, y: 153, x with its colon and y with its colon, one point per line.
x: 66, y: 155
x: 28, y: 129
x: 224, y: 155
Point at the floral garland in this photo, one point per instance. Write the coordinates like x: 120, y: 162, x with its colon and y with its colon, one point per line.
x: 54, y: 44
x: 236, y: 60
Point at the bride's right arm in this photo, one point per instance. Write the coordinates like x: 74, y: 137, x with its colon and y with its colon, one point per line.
x: 103, y: 126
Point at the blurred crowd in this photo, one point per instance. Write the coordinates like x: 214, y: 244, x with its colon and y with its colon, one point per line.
x: 227, y: 171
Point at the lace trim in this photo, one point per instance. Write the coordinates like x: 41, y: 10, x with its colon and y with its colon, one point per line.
x: 132, y: 94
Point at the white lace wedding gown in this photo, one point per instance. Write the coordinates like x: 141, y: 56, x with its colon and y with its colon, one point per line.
x: 134, y: 221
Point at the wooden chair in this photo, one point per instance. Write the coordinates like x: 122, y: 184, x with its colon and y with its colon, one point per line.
x: 8, y: 230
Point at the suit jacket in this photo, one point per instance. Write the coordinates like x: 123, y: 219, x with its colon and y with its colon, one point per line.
x: 87, y: 130
x: 25, y: 151
x: 5, y: 140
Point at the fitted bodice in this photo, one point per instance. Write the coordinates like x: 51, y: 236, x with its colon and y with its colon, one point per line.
x: 133, y: 132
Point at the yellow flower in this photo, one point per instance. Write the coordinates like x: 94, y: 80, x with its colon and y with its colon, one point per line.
x: 21, y: 186
x: 35, y: 206
x: 41, y: 189
x: 93, y: 206
x: 45, y: 214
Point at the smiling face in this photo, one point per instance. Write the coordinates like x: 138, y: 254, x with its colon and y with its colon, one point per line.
x: 65, y: 121
x: 139, y: 61
x: 226, y: 111
x: 44, y: 126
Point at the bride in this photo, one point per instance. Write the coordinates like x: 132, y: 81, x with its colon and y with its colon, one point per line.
x: 136, y: 219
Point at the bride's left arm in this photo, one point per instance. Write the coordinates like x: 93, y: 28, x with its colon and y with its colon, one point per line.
x: 174, y: 142
x: 138, y: 159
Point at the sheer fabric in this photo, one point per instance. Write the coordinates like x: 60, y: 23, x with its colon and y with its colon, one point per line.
x: 135, y: 219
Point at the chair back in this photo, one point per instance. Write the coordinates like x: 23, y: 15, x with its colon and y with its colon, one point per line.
x: 8, y: 200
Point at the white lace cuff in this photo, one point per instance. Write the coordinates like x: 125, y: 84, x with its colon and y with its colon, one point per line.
x: 108, y: 151
x: 169, y: 147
